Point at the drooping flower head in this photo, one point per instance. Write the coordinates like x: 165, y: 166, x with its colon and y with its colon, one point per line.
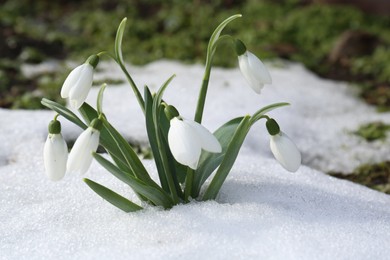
x: 283, y: 148
x: 253, y: 70
x: 80, y: 157
x: 55, y: 152
x: 78, y: 83
x: 186, y: 140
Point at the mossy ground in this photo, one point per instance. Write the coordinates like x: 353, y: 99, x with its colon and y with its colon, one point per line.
x: 373, y: 131
x: 33, y: 31
x: 375, y: 176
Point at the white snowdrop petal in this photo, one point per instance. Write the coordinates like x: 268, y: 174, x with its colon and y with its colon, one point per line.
x: 91, y: 147
x: 55, y: 154
x: 183, y: 143
x: 259, y: 70
x: 71, y: 81
x: 285, y: 151
x: 79, y: 92
x: 207, y: 140
x: 80, y: 157
x: 246, y: 72
x: 254, y: 71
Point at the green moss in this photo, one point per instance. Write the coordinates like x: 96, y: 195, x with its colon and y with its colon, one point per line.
x: 375, y: 176
x: 373, y: 131
x: 180, y: 30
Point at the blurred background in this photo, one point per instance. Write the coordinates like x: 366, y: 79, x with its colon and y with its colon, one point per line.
x: 339, y: 39
x: 345, y: 40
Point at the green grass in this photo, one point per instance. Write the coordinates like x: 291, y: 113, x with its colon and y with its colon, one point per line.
x: 375, y: 176
x: 373, y: 131
x: 180, y: 30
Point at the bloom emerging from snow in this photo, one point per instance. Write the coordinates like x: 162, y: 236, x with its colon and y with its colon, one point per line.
x: 254, y: 71
x: 55, y: 152
x: 80, y: 157
x: 187, y: 139
x: 285, y: 151
x: 79, y: 82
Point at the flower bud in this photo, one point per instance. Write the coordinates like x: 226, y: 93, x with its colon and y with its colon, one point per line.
x: 171, y: 112
x: 93, y: 60
x: 272, y: 126
x: 55, y: 152
x: 285, y: 151
x: 239, y: 47
x: 54, y: 127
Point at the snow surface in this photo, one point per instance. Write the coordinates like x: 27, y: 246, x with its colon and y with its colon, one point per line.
x: 262, y: 212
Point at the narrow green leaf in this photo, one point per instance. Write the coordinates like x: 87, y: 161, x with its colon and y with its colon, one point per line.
x: 106, y: 140
x: 228, y: 160
x: 157, y: 100
x: 114, y: 142
x: 156, y: 112
x: 157, y: 196
x: 99, y: 102
x: 118, y: 40
x: 150, y: 128
x: 129, y: 154
x: 210, y: 161
x: 113, y: 197
x: 63, y: 111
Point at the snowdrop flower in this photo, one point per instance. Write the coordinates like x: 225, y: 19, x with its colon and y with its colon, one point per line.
x: 55, y: 152
x: 284, y: 150
x: 186, y: 140
x: 80, y: 157
x: 254, y: 71
x: 79, y: 82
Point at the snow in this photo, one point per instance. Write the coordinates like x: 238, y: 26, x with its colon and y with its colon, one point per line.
x: 262, y: 211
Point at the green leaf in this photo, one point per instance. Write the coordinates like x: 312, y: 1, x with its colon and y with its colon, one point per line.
x: 118, y: 40
x: 210, y: 161
x: 155, y: 195
x: 63, y: 111
x: 113, y: 197
x: 115, y: 144
x: 99, y: 102
x: 106, y: 140
x: 151, y: 131
x: 173, y: 185
x: 229, y: 159
x: 233, y: 148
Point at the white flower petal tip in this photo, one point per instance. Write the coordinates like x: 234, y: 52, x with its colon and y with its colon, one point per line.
x: 55, y: 155
x: 77, y: 85
x: 254, y: 71
x: 285, y: 152
x: 80, y: 157
x: 186, y: 140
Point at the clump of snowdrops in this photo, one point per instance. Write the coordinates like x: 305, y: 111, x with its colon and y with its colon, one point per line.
x: 186, y: 154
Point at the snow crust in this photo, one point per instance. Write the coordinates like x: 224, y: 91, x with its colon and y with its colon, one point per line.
x: 262, y: 212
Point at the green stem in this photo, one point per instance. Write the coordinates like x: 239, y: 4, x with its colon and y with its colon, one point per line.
x: 138, y: 95
x: 189, y: 181
x: 206, y: 77
x: 202, y: 96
